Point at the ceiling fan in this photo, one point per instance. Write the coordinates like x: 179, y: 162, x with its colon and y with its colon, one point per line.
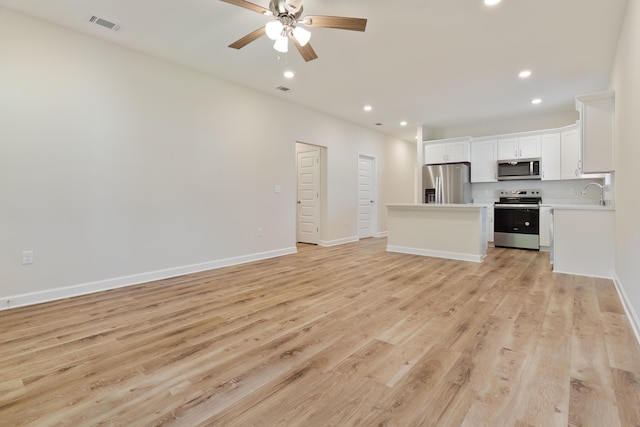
x: 288, y: 25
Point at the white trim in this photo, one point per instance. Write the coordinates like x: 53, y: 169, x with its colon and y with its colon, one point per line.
x: 120, y: 282
x: 436, y: 254
x: 573, y: 273
x: 381, y: 234
x: 328, y: 243
x: 628, y: 308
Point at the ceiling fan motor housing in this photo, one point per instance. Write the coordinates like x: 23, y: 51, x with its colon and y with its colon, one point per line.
x: 292, y: 8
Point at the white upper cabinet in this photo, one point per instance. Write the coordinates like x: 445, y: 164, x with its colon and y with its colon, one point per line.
x: 484, y: 161
x: 529, y: 147
x: 507, y: 148
x: 443, y: 151
x: 597, y: 131
x: 524, y: 147
x: 550, y: 156
x: 570, y: 155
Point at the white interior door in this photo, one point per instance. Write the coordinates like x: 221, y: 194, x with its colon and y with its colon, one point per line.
x: 308, y: 215
x: 366, y: 196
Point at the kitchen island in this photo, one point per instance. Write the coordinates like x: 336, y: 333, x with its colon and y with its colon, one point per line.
x: 454, y: 231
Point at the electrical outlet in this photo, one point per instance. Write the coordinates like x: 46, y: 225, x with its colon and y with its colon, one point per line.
x: 259, y: 232
x: 278, y: 189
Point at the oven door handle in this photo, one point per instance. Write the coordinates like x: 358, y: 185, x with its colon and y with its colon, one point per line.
x: 518, y: 206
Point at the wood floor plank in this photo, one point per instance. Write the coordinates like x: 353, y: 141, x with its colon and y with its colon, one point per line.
x: 627, y: 389
x: 350, y: 335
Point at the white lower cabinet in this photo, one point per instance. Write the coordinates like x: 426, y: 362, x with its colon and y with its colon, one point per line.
x: 583, y: 242
x: 490, y: 223
x: 545, y: 226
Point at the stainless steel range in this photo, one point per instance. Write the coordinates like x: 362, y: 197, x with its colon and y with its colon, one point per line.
x: 517, y: 219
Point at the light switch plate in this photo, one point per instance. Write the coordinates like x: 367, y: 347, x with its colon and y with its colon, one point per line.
x: 27, y: 257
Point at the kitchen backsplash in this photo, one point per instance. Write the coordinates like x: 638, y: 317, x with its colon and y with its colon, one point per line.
x: 560, y: 192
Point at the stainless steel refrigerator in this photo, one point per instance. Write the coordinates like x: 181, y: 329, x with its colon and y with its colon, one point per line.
x: 446, y: 183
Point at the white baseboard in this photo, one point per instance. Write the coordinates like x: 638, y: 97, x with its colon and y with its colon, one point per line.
x: 435, y: 254
x: 328, y: 243
x: 21, y: 300
x: 628, y: 308
x: 381, y: 234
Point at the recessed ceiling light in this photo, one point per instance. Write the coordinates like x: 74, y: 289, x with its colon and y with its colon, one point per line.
x: 524, y: 74
x: 289, y: 74
x: 536, y: 101
x: 491, y: 2
x: 403, y: 123
x: 368, y: 108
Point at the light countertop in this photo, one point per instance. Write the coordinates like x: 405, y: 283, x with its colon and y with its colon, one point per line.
x: 443, y: 206
x: 580, y: 207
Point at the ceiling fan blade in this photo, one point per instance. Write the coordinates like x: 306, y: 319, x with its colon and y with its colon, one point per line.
x: 307, y: 52
x: 337, y: 22
x: 242, y: 42
x: 249, y: 5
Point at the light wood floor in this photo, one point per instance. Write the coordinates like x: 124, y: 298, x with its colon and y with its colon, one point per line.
x: 341, y: 336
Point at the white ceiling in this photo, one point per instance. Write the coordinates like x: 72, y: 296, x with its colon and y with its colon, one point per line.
x: 440, y: 63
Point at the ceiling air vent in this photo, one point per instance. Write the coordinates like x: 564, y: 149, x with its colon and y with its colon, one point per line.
x: 283, y: 89
x: 103, y: 22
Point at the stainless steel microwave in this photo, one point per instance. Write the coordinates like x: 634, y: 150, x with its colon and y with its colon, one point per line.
x: 518, y: 169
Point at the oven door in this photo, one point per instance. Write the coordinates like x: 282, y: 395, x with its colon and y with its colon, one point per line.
x: 517, y: 226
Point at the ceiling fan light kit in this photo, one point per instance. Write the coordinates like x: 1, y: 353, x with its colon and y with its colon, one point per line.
x: 281, y: 45
x: 303, y: 36
x: 288, y: 18
x: 273, y: 29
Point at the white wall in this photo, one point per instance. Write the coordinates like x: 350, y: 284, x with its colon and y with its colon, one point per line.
x: 508, y: 125
x: 627, y: 86
x: 114, y: 164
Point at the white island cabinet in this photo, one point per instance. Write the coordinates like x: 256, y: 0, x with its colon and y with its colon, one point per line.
x: 583, y: 240
x: 454, y: 231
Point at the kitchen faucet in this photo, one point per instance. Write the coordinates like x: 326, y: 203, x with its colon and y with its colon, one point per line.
x: 584, y: 191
